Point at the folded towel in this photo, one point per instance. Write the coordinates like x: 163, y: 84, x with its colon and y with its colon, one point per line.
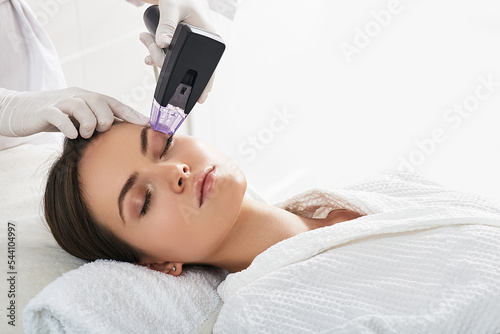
x: 116, y: 297
x: 422, y: 260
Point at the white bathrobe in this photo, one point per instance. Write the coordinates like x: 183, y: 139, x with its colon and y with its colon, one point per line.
x: 423, y: 259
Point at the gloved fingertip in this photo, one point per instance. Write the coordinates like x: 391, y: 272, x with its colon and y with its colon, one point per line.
x: 203, y: 98
x: 86, y: 134
x: 104, y: 126
x: 71, y: 134
x: 141, y: 119
x: 132, y: 116
x: 146, y: 38
x: 163, y: 40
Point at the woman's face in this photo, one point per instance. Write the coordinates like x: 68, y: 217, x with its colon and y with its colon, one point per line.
x: 173, y: 201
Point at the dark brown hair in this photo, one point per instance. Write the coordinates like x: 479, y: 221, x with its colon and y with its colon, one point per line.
x: 68, y: 216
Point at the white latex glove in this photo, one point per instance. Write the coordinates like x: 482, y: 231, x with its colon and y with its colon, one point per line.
x: 194, y: 12
x: 26, y: 113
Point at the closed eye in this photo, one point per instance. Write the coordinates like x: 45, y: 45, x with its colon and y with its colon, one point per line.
x: 167, y: 145
x: 147, y: 202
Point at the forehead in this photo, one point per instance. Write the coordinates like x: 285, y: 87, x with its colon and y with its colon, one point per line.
x: 110, y: 148
x: 106, y: 165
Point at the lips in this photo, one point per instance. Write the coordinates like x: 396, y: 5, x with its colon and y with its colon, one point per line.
x: 204, y: 183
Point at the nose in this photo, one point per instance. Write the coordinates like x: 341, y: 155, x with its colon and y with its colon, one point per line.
x: 176, y: 176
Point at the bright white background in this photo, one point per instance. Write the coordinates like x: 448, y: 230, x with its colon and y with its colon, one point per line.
x: 295, y: 111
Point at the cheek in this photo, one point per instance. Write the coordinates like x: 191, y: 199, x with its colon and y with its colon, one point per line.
x: 201, y: 151
x: 170, y: 221
x: 172, y: 230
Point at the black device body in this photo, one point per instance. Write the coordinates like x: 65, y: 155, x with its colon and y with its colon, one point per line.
x: 190, y: 59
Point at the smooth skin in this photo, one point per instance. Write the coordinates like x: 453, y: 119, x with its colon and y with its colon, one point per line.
x: 227, y: 230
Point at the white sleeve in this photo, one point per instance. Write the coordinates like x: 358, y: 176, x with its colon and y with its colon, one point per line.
x: 28, y: 61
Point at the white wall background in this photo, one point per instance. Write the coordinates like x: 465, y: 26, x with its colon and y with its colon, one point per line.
x: 296, y: 111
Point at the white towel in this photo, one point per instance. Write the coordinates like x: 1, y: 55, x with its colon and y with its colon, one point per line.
x: 423, y: 260
x: 116, y: 297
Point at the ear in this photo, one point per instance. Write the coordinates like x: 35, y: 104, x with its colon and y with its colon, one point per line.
x: 170, y: 268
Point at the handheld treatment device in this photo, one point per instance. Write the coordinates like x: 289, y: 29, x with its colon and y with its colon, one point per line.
x: 190, y: 61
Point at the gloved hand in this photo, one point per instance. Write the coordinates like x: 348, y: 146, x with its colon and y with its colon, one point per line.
x: 194, y: 12
x: 26, y: 113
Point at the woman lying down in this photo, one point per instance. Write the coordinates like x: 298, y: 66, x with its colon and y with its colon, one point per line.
x: 395, y: 254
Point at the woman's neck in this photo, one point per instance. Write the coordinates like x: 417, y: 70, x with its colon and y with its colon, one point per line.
x: 258, y: 227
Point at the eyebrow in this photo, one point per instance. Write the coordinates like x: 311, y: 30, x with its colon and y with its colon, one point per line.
x: 144, y: 140
x: 133, y: 177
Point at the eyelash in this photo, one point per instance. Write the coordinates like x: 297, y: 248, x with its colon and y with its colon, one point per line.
x: 167, y: 145
x: 147, y: 201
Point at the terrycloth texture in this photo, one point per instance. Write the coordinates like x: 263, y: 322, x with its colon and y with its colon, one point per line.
x: 422, y: 260
x: 116, y: 297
